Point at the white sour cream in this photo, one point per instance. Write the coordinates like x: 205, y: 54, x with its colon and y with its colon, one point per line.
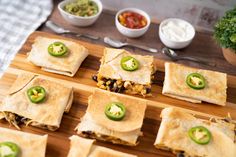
x: 176, y: 30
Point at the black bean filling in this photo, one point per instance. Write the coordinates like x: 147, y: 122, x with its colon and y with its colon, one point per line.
x: 112, y: 85
x: 17, y: 120
x: 20, y: 119
x: 114, y: 140
x: 180, y: 154
x: 148, y: 90
x: 95, y: 78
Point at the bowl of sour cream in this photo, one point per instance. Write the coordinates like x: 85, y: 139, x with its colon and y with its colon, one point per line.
x: 176, y: 33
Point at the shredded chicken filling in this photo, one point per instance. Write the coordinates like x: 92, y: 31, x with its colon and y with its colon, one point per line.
x: 101, y: 137
x: 16, y: 120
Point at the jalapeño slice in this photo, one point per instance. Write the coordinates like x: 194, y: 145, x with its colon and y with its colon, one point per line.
x: 36, y: 94
x: 57, y: 49
x: 129, y: 63
x: 115, y: 111
x: 196, y: 81
x: 9, y: 149
x: 200, y: 135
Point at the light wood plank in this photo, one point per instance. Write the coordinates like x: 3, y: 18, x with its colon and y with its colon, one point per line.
x: 58, y: 143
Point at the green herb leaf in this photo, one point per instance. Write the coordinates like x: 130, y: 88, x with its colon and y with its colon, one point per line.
x: 233, y: 38
x: 225, y: 30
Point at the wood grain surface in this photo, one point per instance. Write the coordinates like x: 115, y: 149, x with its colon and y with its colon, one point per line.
x: 58, y: 143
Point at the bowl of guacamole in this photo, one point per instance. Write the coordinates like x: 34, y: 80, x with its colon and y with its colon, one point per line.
x: 80, y: 12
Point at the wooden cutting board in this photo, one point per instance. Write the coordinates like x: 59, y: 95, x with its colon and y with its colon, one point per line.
x: 58, y: 143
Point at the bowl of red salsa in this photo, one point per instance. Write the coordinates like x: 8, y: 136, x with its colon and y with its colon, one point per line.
x: 132, y: 22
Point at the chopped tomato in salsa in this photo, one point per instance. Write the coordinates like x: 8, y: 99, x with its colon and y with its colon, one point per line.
x: 132, y: 20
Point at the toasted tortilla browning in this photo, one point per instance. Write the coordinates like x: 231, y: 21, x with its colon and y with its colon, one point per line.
x: 175, y: 85
x: 113, y: 78
x: 65, y: 65
x: 95, y: 124
x: 173, y: 135
x: 16, y: 108
x: 81, y: 147
x: 29, y: 144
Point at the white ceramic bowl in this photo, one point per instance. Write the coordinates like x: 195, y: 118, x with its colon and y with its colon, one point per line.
x: 132, y: 33
x: 79, y: 20
x: 174, y: 44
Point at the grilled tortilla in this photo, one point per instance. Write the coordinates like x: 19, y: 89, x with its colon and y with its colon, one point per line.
x: 29, y: 144
x: 17, y: 107
x: 95, y: 124
x: 113, y: 78
x: 65, y: 65
x: 80, y: 147
x: 173, y: 135
x: 175, y: 85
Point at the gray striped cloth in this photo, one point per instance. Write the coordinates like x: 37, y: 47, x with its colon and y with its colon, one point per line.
x: 18, y: 19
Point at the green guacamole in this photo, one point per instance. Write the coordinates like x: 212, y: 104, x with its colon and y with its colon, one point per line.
x: 82, y: 8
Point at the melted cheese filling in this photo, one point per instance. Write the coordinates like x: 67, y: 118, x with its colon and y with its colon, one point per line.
x: 130, y: 63
x: 199, y: 134
x: 196, y: 80
x: 5, y: 151
x: 115, y: 110
x: 57, y: 49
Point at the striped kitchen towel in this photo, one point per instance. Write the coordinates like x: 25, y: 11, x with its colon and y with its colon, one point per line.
x: 18, y: 19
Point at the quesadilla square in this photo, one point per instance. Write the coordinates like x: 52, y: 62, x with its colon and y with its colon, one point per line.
x: 81, y: 147
x: 195, y: 85
x: 27, y: 144
x: 186, y: 135
x: 57, y: 56
x: 123, y: 72
x: 103, y: 120
x: 37, y: 101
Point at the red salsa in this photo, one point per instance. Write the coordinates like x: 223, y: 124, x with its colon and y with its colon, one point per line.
x: 132, y: 20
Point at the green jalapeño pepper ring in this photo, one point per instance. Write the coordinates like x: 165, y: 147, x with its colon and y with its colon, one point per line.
x: 196, y: 81
x: 57, y: 49
x: 9, y: 149
x: 36, y: 94
x: 200, y: 135
x: 115, y: 111
x: 129, y: 63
